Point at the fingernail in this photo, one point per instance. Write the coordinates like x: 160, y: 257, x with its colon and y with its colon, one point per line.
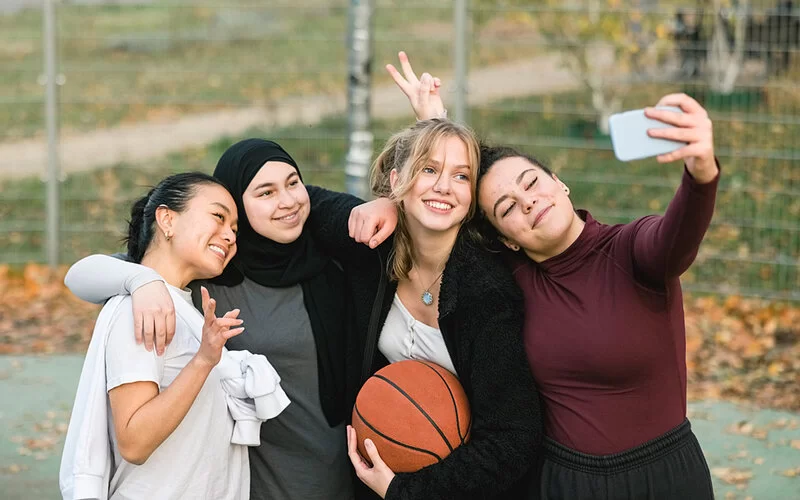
x: 368, y: 442
x: 373, y: 244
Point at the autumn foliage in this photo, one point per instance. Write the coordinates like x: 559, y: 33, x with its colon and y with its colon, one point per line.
x: 737, y: 349
x: 38, y: 314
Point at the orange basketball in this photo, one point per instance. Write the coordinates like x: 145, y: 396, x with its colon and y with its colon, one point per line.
x: 415, y: 412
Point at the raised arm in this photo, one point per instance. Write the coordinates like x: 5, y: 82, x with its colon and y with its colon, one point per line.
x: 97, y: 278
x: 664, y: 247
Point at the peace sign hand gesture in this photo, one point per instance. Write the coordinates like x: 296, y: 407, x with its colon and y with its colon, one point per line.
x: 422, y: 93
x: 216, y: 331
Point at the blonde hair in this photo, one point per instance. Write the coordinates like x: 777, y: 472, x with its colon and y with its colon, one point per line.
x: 408, y: 152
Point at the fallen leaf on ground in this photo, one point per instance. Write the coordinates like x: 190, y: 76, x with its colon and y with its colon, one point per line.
x: 732, y: 475
x: 792, y: 472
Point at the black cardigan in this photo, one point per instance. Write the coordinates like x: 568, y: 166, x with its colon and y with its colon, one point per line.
x: 480, y: 316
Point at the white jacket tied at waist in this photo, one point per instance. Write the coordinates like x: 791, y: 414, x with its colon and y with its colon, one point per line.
x: 252, y: 391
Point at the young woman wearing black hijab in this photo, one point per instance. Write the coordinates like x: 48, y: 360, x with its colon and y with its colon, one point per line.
x: 294, y: 304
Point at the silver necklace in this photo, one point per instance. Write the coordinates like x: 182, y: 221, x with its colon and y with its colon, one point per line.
x: 427, y: 296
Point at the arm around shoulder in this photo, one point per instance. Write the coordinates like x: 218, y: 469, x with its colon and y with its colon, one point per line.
x: 97, y: 278
x: 329, y: 224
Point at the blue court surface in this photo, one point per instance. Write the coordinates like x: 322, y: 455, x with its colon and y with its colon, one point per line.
x: 753, y: 454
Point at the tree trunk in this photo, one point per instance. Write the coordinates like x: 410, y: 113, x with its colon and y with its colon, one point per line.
x: 605, y: 105
x: 725, y: 61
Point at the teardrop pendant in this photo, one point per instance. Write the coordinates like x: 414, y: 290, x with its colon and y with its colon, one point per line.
x: 427, y: 298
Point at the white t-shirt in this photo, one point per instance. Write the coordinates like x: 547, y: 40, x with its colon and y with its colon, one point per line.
x: 403, y: 337
x: 197, y: 460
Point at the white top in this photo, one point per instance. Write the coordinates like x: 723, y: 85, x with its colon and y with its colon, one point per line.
x: 205, y: 457
x: 403, y: 337
x: 197, y: 460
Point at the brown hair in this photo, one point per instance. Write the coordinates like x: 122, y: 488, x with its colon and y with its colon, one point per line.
x: 408, y: 152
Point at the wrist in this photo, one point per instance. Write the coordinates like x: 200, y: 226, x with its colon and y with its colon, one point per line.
x: 703, y: 170
x: 442, y: 115
x: 201, y: 363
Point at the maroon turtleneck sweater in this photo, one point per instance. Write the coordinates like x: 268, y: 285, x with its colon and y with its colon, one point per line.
x: 604, y: 326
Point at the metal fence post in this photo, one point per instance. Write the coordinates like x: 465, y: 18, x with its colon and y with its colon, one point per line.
x: 460, y: 25
x: 51, y: 118
x: 359, y: 137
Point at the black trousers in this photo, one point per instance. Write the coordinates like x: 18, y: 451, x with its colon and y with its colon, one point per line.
x: 670, y: 467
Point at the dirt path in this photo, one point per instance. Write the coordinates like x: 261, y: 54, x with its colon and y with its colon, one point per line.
x: 141, y: 142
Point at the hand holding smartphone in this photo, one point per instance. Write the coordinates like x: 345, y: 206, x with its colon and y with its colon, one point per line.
x: 629, y: 135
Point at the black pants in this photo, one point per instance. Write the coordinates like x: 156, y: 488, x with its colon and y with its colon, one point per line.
x: 670, y: 467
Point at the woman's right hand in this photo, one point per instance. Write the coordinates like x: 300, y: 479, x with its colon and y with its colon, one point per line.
x: 153, y: 316
x: 422, y: 93
x: 216, y: 331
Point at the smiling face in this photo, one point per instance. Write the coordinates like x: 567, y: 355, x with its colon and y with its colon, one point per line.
x: 277, y: 203
x: 529, y: 208
x: 440, y: 197
x: 203, y: 235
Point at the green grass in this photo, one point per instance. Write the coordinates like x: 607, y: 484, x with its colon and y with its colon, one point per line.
x: 752, y: 246
x: 127, y: 64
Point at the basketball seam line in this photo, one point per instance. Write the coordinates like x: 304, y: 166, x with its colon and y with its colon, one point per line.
x: 424, y: 413
x: 384, y: 436
x: 452, y: 398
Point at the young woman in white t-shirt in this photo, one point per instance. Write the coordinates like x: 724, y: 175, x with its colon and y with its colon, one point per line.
x: 169, y: 429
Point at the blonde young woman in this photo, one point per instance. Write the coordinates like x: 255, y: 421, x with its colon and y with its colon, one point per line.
x: 436, y: 295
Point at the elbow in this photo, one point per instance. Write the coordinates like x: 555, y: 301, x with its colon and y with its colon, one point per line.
x: 72, y: 281
x: 69, y: 279
x: 133, y: 452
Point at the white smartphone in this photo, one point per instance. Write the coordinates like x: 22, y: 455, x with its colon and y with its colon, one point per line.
x: 629, y: 135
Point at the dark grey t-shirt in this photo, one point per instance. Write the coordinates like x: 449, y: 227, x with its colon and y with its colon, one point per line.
x: 300, y: 456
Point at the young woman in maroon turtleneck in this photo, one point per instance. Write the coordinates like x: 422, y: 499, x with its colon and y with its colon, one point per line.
x: 604, y: 327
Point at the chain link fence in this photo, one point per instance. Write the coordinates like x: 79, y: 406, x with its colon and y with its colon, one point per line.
x: 544, y: 76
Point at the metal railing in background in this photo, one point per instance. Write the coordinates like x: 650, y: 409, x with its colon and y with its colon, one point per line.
x: 573, y: 62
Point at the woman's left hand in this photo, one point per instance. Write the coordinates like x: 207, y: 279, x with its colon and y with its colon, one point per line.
x: 693, y: 127
x: 371, y: 223
x: 376, y: 477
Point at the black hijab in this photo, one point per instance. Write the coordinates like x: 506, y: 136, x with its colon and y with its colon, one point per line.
x: 262, y: 260
x: 277, y: 265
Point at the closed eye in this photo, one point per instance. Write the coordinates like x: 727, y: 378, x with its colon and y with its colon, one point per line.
x: 508, y: 210
x: 219, y: 216
x: 530, y: 184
